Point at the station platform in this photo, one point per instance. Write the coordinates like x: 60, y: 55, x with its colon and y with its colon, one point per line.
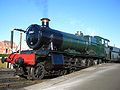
x: 82, y: 78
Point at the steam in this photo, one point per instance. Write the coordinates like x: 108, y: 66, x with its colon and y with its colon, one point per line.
x: 45, y: 8
x: 42, y: 5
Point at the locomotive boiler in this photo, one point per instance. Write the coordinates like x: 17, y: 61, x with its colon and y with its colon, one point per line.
x: 42, y: 36
x: 57, y: 53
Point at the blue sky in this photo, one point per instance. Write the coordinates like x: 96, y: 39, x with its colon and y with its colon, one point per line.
x: 92, y: 17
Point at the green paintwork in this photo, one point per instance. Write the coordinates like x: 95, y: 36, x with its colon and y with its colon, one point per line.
x: 78, y: 46
x: 73, y: 42
x: 97, y: 49
x: 75, y: 45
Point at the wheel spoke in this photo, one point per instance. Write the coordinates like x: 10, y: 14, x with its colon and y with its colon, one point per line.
x: 38, y: 71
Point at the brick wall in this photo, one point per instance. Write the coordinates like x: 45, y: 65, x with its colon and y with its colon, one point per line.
x: 5, y: 47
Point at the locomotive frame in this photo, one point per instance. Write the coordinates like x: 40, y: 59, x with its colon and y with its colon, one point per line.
x: 59, y: 53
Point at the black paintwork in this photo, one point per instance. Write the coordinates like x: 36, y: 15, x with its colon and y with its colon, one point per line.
x: 37, y: 37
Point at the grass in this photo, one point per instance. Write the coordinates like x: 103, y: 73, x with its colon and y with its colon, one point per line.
x: 3, y: 65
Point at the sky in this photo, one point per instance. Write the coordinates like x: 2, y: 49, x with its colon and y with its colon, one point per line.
x: 92, y: 17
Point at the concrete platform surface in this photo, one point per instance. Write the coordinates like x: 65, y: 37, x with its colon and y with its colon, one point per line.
x: 99, y: 77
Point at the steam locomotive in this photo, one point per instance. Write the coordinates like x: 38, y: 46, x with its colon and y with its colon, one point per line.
x: 58, y: 53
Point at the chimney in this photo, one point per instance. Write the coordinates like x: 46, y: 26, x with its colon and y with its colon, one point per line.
x: 45, y: 22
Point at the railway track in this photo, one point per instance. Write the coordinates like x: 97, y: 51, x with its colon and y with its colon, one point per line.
x: 10, y: 82
x: 6, y: 71
x: 17, y: 82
